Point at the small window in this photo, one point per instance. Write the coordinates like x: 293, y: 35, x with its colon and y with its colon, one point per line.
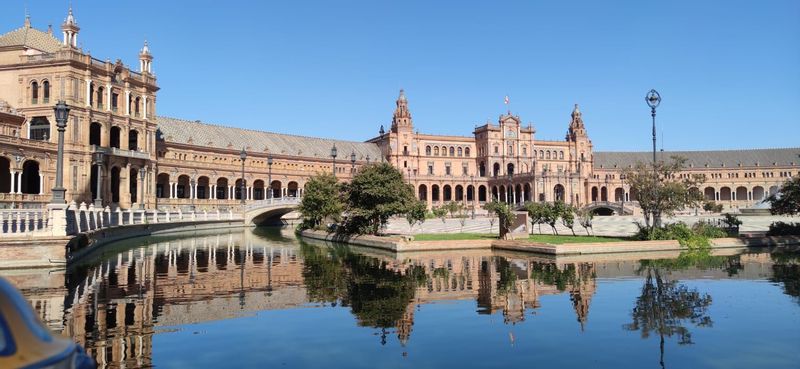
x: 430, y: 169
x: 428, y: 150
x: 466, y: 152
x: 452, y: 151
x: 436, y: 151
x: 460, y: 152
x: 46, y: 92
x: 34, y: 93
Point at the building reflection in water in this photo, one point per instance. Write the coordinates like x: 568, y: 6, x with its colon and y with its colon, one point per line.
x: 115, y: 305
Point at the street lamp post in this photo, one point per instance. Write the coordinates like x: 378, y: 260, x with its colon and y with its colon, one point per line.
x: 653, y: 99
x: 140, y: 195
x: 242, y: 188
x: 193, y: 192
x: 269, y: 175
x: 333, y: 155
x: 98, y: 161
x: 62, y: 113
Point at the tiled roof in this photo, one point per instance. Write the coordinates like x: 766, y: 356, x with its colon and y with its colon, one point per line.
x: 31, y: 38
x: 699, y: 159
x: 204, y: 134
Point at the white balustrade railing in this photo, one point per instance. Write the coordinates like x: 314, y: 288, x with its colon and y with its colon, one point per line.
x: 82, y: 218
x: 286, y: 200
x: 16, y: 222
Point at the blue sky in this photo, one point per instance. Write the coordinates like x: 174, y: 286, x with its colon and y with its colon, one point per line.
x: 728, y: 71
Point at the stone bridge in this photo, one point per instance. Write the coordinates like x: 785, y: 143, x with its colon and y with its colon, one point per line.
x: 269, y: 211
x: 611, y: 207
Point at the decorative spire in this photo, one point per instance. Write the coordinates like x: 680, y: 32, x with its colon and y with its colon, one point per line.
x: 145, y: 59
x: 402, y: 116
x: 70, y: 30
x: 70, y: 18
x: 576, y: 127
x: 27, y: 23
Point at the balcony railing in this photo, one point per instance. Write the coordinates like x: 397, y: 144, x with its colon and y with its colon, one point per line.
x: 123, y: 153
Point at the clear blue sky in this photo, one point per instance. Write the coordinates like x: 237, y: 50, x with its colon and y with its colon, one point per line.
x: 728, y: 71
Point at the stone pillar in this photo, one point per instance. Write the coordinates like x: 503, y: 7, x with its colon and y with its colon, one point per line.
x: 13, y: 181
x: 108, y: 98
x: 88, y: 96
x: 41, y: 184
x: 212, y: 191
x: 127, y: 102
x: 19, y: 182
x: 125, y: 195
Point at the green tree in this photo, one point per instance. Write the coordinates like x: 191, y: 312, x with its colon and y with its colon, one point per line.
x: 440, y: 212
x: 505, y: 216
x: 585, y: 219
x: 375, y: 194
x: 787, y: 200
x: 568, y: 217
x: 535, y: 214
x: 416, y: 214
x: 551, y: 213
x: 321, y: 200
x: 661, y: 191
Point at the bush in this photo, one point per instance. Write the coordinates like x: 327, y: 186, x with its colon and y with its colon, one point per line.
x: 784, y: 229
x: 713, y: 207
x: 672, y: 231
x: 707, y: 229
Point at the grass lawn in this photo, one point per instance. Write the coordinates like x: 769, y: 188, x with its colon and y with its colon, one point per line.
x: 545, y: 238
x: 452, y: 236
x: 557, y: 240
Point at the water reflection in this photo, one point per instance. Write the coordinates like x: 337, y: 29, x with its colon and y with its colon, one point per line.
x: 116, y: 303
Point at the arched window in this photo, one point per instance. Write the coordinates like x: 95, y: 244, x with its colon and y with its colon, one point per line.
x: 40, y: 129
x: 452, y: 151
x: 35, y: 92
x: 133, y: 140
x: 460, y: 152
x: 100, y: 92
x: 548, y: 154
x: 541, y: 154
x: 95, y: 130
x: 524, y: 150
x: 466, y: 152
x: 511, y: 150
x: 46, y: 92
x: 561, y: 155
x: 436, y: 151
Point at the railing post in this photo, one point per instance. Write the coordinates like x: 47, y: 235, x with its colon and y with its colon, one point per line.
x: 120, y: 219
x: 107, y: 215
x: 167, y: 216
x: 79, y: 217
x: 91, y: 217
x: 130, y: 217
x: 180, y: 214
x: 155, y: 215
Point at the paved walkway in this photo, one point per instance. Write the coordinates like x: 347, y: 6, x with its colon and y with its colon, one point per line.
x: 602, y: 226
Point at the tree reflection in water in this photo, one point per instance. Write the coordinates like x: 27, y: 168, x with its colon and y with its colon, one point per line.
x: 666, y: 307
x: 378, y: 295
x: 786, y: 271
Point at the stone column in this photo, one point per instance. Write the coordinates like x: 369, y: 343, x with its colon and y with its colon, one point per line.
x: 212, y: 191
x: 108, y: 99
x: 19, y: 182
x: 41, y: 184
x: 13, y: 181
x: 127, y: 102
x: 88, y: 96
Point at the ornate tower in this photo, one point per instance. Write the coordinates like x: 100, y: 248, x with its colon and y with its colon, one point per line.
x: 145, y: 59
x: 580, y: 145
x: 401, y: 121
x: 70, y: 30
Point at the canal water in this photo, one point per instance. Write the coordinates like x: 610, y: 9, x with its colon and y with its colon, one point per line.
x: 262, y: 298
